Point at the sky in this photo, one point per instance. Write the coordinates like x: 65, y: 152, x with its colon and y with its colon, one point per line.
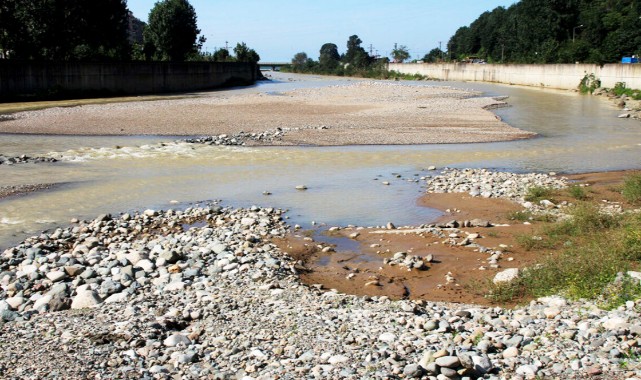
x: 279, y: 29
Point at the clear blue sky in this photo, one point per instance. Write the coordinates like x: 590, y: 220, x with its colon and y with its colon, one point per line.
x: 279, y: 29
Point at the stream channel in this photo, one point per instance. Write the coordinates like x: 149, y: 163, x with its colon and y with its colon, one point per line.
x: 576, y: 134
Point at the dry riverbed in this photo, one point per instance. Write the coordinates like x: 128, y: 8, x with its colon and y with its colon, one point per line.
x: 364, y: 112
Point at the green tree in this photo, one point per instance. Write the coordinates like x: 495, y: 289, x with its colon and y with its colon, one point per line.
x: 434, y: 55
x: 299, y: 61
x: 400, y: 53
x: 221, y: 55
x: 245, y: 54
x: 356, y: 56
x: 64, y: 29
x: 172, y: 31
x: 329, y: 58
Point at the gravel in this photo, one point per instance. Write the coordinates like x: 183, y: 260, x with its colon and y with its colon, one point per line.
x: 229, y: 304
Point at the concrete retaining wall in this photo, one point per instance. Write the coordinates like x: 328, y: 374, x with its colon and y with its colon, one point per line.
x: 60, y: 79
x: 565, y: 77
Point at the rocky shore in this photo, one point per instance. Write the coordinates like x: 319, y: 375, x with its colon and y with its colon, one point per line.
x: 204, y: 293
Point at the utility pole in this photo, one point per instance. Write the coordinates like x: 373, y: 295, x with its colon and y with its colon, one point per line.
x: 371, y: 49
x: 441, y: 50
x: 227, y: 45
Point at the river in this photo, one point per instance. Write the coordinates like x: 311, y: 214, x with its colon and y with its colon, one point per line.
x: 577, y: 134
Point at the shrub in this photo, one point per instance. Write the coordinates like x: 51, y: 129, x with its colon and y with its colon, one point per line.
x: 632, y: 189
x: 589, y: 83
x: 577, y: 192
x: 538, y: 193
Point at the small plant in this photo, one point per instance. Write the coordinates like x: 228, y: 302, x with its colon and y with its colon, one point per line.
x: 521, y: 216
x: 589, y: 83
x: 538, y: 193
x: 578, y: 192
x: 632, y: 189
x: 620, y: 89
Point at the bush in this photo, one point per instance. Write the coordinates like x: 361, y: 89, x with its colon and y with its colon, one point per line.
x: 577, y: 192
x: 589, y: 83
x: 632, y: 189
x: 538, y: 193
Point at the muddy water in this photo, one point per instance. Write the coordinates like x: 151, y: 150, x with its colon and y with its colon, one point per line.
x: 114, y: 174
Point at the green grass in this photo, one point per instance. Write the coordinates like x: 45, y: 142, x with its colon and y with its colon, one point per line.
x: 592, y: 248
x: 632, y: 189
x: 620, y: 89
x: 577, y: 192
x: 539, y: 193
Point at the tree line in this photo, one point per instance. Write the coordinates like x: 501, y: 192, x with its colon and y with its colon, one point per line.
x: 355, y: 61
x: 552, y: 31
x: 105, y: 30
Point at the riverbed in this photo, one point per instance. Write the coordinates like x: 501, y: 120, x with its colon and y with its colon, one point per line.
x: 112, y: 174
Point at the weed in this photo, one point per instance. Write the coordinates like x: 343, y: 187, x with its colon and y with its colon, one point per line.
x: 521, y: 216
x: 492, y: 234
x: 632, y: 189
x: 538, y: 193
x: 621, y: 89
x: 578, y: 192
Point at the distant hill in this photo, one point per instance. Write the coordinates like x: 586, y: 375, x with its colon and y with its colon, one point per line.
x: 553, y: 31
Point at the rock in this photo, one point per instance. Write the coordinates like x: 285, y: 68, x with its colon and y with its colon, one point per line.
x: 448, y: 361
x: 387, y: 337
x: 145, y: 265
x: 176, y: 339
x: 301, y: 187
x: 506, y: 276
x: 529, y: 371
x: 85, y: 299
x: 170, y: 257
x: 615, y: 323
x: 116, y: 297
x: 413, y: 371
x: 338, y: 359
x: 56, y: 276
x: 480, y: 223
x: 482, y: 364
x: 510, y: 352
x: 624, y: 116
x: 551, y: 312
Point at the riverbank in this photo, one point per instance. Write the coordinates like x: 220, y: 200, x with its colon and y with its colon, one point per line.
x: 360, y: 113
x: 485, y: 219
x: 204, y: 293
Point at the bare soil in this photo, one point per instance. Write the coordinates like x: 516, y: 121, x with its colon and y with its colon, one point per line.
x: 463, y: 264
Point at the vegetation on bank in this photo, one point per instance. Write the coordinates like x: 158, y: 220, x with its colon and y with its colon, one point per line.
x: 534, y: 31
x: 105, y: 30
x: 582, y: 255
x: 355, y: 62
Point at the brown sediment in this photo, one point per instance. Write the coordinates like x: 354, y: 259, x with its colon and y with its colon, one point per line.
x: 365, y: 265
x: 362, y: 112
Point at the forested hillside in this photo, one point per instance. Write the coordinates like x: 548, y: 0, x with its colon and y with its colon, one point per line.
x: 553, y: 31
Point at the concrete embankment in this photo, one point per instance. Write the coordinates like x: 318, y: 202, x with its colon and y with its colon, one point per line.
x: 28, y: 79
x: 565, y: 77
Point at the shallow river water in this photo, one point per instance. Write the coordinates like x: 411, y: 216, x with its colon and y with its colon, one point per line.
x: 577, y: 134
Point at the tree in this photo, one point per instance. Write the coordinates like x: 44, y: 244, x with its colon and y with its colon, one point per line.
x: 356, y: 55
x: 400, y: 53
x: 329, y: 58
x: 434, y: 55
x: 299, y: 61
x: 172, y: 32
x: 64, y: 29
x: 221, y: 55
x: 245, y: 54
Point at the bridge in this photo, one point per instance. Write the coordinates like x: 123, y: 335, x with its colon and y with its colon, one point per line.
x: 273, y: 66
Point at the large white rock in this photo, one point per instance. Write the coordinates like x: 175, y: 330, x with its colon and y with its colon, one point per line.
x: 506, y: 276
x: 85, y: 299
